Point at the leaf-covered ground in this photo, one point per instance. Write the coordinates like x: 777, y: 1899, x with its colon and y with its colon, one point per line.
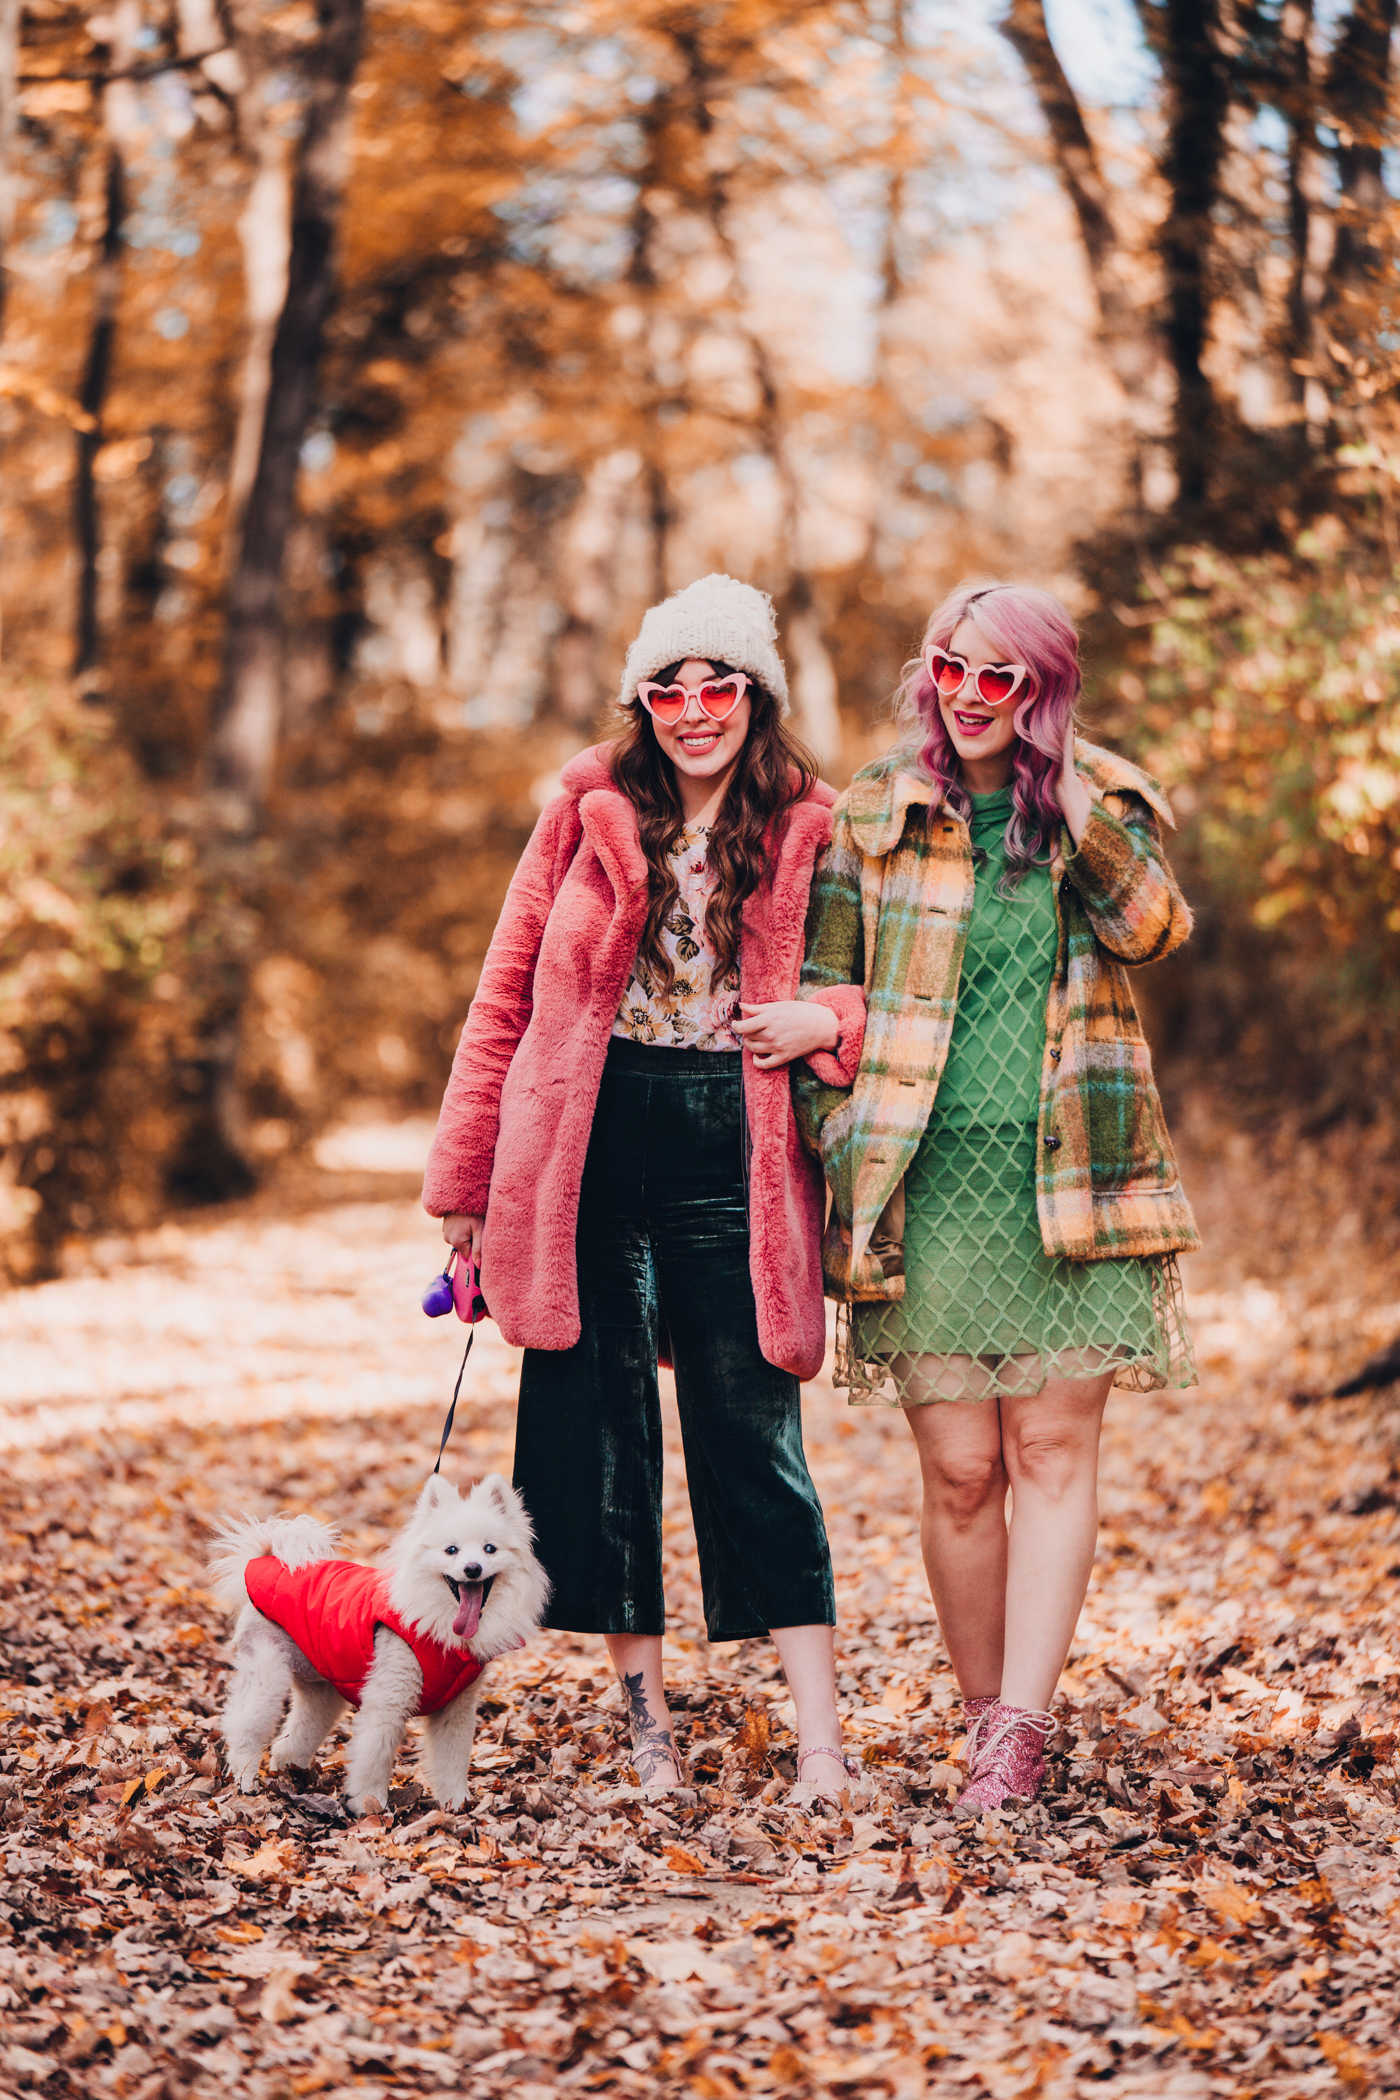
x: 1207, y: 1902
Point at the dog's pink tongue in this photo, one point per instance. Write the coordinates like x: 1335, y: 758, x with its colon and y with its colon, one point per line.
x: 468, y: 1610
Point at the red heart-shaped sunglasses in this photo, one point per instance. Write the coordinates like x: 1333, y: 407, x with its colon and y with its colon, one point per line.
x: 994, y: 684
x: 718, y: 698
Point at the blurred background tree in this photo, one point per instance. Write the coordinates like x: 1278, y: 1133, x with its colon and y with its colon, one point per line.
x: 364, y: 374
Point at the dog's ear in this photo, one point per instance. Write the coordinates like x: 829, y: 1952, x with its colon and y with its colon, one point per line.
x: 436, y: 1491
x: 502, y: 1494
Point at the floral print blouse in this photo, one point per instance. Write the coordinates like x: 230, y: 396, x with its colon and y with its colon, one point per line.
x: 697, y: 1012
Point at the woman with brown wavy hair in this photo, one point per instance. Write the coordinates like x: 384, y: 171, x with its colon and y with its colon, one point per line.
x: 617, y: 1147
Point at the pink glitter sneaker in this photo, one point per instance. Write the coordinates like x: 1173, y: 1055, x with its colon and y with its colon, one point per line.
x: 1010, y: 1756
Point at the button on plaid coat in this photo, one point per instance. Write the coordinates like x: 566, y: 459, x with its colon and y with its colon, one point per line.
x: 890, y: 909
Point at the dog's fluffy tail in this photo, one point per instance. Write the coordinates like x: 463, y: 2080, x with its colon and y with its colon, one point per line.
x: 292, y: 1540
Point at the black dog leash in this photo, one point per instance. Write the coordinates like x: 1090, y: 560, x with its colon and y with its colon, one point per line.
x: 456, y: 1390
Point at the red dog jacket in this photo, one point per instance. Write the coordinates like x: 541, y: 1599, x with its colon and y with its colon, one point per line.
x: 331, y: 1608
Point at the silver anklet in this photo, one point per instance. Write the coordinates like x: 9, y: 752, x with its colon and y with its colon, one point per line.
x: 822, y: 1750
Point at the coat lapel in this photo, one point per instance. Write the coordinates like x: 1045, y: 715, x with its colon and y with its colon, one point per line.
x: 774, y: 917
x: 610, y: 826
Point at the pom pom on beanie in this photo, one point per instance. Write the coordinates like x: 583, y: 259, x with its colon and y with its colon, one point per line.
x: 719, y: 620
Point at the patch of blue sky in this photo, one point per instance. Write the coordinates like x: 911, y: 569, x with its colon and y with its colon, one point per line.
x: 153, y: 228
x: 860, y: 198
x: 613, y: 150
x: 580, y: 228
x: 1270, y: 130
x: 934, y: 481
x: 605, y: 59
x: 560, y: 90
x: 587, y: 255
x: 946, y: 412
x: 931, y: 22
x: 1099, y: 43
x: 540, y: 102
x: 619, y: 145
x: 318, y: 452
x: 58, y: 223
x: 524, y: 51
x: 1104, y: 53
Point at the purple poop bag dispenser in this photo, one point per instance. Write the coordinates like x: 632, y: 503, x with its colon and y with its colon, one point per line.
x: 457, y: 1289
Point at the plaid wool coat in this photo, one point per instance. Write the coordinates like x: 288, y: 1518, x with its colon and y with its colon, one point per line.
x: 890, y: 909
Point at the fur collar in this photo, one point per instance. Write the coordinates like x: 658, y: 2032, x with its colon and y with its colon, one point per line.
x: 879, y: 798
x: 610, y: 821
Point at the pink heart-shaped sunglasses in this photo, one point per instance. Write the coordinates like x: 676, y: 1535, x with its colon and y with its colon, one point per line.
x: 718, y: 698
x: 994, y: 684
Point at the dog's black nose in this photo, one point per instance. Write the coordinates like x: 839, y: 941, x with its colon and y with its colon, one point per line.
x: 472, y: 1570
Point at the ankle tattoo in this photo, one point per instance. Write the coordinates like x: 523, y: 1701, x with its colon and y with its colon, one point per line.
x: 654, y: 1752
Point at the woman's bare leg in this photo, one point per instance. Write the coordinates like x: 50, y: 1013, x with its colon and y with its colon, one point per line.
x: 964, y: 1533
x: 808, y: 1657
x: 636, y: 1657
x: 1051, y: 1444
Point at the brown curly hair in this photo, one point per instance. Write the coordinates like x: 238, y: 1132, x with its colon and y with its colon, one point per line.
x: 773, y: 772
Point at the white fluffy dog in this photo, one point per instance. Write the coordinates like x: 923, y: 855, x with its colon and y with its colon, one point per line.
x: 460, y: 1585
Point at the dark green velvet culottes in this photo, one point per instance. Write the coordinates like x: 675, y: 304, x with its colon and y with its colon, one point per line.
x: 663, y: 1247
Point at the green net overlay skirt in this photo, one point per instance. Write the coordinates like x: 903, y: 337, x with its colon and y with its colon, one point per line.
x: 986, y: 1310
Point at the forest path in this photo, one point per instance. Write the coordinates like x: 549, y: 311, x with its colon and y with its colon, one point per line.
x: 1209, y: 1897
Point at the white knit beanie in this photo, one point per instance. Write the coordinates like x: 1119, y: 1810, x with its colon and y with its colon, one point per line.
x: 718, y: 620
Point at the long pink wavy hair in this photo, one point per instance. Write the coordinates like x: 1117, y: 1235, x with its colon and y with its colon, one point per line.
x: 1024, y: 626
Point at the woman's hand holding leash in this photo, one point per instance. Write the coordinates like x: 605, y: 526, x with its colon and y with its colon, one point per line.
x: 783, y: 1029
x: 1074, y: 798
x: 463, y: 1231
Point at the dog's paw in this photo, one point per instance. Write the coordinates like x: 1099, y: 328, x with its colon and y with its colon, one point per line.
x: 247, y: 1780
x: 453, y: 1802
x: 364, y: 1805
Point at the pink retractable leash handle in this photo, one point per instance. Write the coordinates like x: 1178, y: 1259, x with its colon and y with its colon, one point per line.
x: 457, y: 1289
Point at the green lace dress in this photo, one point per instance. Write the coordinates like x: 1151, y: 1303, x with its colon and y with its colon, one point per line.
x: 986, y: 1311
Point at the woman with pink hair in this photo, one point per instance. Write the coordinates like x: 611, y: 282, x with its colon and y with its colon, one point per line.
x: 1006, y: 1210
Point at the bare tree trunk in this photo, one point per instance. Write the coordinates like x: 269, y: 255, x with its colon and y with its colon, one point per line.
x: 248, y: 711
x: 1309, y: 224
x: 119, y: 120
x: 1197, y: 107
x: 660, y: 514
x: 1024, y: 28
x: 814, y: 686
x: 890, y: 284
x: 1129, y: 337
x: 9, y: 53
x: 642, y: 278
x: 92, y: 400
x: 264, y: 226
x: 1358, y: 95
x: 589, y: 569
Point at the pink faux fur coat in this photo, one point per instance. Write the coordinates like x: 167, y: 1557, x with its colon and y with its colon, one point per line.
x: 516, y: 1117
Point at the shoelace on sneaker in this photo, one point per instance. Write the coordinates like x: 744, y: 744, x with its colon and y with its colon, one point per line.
x: 975, y: 1712
x: 1012, y: 1723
